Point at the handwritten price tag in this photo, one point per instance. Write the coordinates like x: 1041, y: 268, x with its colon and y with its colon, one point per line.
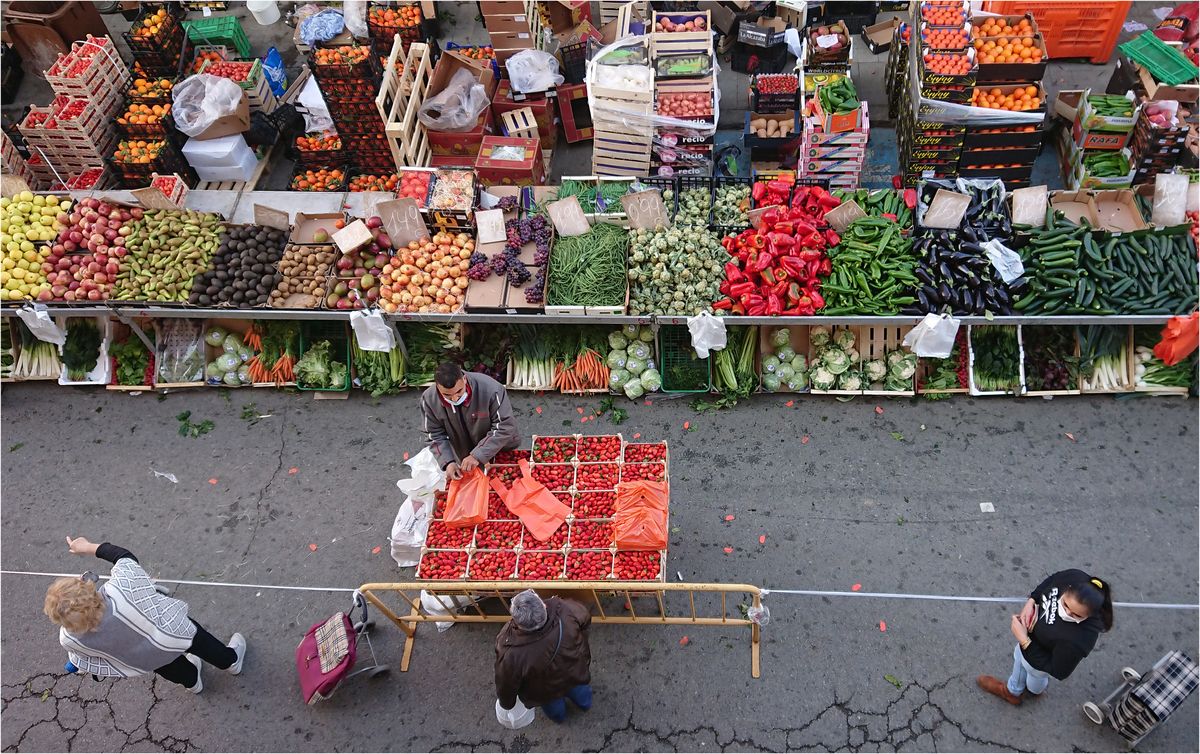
x: 403, y: 221
x: 568, y: 217
x: 490, y: 225
x: 845, y: 213
x: 645, y: 209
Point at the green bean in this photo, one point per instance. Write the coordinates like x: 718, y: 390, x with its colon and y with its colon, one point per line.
x: 585, y: 193
x: 589, y: 270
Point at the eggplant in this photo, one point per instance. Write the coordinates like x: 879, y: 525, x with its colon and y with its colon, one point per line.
x: 920, y: 274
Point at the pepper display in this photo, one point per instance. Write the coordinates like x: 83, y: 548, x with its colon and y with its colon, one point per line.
x: 873, y: 270
x: 890, y: 204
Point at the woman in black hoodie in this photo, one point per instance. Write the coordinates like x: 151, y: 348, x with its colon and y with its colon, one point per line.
x: 1056, y: 629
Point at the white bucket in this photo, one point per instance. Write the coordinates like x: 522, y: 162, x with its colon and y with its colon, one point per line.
x: 265, y: 12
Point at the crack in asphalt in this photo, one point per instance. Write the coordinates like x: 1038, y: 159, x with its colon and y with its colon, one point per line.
x: 56, y: 689
x: 259, y: 518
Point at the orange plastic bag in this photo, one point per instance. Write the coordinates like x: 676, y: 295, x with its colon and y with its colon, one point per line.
x: 466, y: 499
x: 537, y: 507
x: 1179, y: 339
x: 640, y: 521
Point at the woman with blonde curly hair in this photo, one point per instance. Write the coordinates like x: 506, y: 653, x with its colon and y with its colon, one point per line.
x: 127, y: 628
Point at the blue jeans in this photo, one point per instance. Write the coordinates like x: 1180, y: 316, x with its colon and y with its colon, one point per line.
x: 581, y: 696
x: 1025, y: 677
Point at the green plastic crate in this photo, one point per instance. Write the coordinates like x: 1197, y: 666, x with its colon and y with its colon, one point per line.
x: 1164, y: 62
x: 220, y: 30
x: 681, y: 371
x: 312, y: 331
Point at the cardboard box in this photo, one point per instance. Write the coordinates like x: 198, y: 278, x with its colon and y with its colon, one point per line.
x: 1030, y: 72
x: 462, y: 144
x: 501, y: 23
x: 1075, y: 205
x: 1015, y: 137
x: 509, y: 161
x: 762, y: 33
x: 835, y: 152
x: 501, y: 7
x: 1085, y: 138
x: 1066, y: 103
x: 575, y: 113
x: 450, y: 63
x: 512, y: 40
x: 878, y: 37
x: 1089, y: 119
x: 789, y: 120
x: 1117, y: 211
x: 235, y: 123
x: 839, y: 122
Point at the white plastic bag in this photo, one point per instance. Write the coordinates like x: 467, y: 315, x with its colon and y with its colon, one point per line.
x: 444, y: 604
x: 517, y: 717
x: 1006, y: 261
x: 201, y: 100
x: 427, y: 478
x: 372, y: 332
x: 457, y: 107
x: 533, y: 71
x: 408, y: 532
x: 37, y: 319
x: 708, y: 333
x: 355, y: 12
x: 1170, y: 200
x: 311, y: 104
x: 933, y: 336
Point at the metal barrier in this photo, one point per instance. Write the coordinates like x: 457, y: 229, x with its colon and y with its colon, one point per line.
x: 471, y: 600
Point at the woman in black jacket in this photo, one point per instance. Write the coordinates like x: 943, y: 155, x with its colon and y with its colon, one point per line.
x: 1056, y: 629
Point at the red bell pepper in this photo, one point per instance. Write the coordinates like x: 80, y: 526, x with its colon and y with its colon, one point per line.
x: 768, y: 276
x: 818, y: 301
x: 774, y: 305
x: 733, y: 273
x: 763, y: 262
x: 725, y: 304
x: 738, y: 290
x: 758, y: 191
x: 910, y: 198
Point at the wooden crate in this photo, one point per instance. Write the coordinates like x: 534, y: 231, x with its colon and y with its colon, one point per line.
x: 119, y: 333
x: 519, y: 123
x: 405, y: 84
x: 875, y: 342
x: 833, y: 331
x: 798, y: 342
x: 1025, y: 391
x: 1126, y: 372
x: 681, y: 43
x: 975, y: 390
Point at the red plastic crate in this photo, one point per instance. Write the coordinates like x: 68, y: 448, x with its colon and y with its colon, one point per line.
x: 1071, y: 30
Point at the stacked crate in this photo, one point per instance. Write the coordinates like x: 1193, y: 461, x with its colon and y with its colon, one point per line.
x: 1156, y: 149
x: 14, y: 164
x: 675, y: 151
x: 349, y: 90
x: 388, y: 20
x: 159, y: 49
x: 835, y: 146
x: 513, y: 26
x: 75, y: 131
x: 253, y: 80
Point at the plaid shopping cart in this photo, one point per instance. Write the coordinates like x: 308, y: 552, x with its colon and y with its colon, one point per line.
x: 1142, y: 703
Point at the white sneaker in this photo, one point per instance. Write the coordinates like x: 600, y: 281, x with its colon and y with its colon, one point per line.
x: 199, y: 681
x: 238, y: 644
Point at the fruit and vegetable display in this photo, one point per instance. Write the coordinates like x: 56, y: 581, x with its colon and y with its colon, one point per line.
x: 828, y: 42
x: 782, y: 369
x: 838, y: 97
x: 27, y: 221
x: 379, y: 372
x: 685, y: 105
x: 1150, y: 372
x: 583, y: 191
x: 772, y: 126
x: 1111, y: 105
x: 680, y: 23
x: 996, y: 358
x: 166, y: 249
x: 630, y: 360
x: 695, y: 202
x: 431, y: 275
x: 133, y: 363
x: 1050, y: 360
x: 369, y: 182
x: 587, y: 475
x: 8, y: 353
x: 243, y: 272
x: 318, y: 368
x: 322, y: 179
x: 954, y: 274
x: 426, y: 346
x: 776, y: 268
x: 1018, y: 98
x: 588, y: 269
x: 303, y: 272
x: 733, y: 367
x: 682, y: 66
x: 873, y: 270
x: 836, y: 361
x: 890, y: 204
x: 731, y: 205
x: 538, y: 231
x: 1105, y: 164
x: 665, y: 281
x: 581, y: 368
x: 229, y: 357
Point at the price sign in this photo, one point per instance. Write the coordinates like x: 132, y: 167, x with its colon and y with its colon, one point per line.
x: 844, y: 214
x: 490, y: 225
x: 645, y: 209
x: 403, y: 221
x: 756, y: 214
x: 827, y: 40
x: 568, y: 217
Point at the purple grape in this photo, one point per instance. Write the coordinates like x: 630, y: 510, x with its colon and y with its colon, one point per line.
x: 518, y: 273
x: 508, y: 204
x: 499, y: 264
x: 533, y: 294
x: 479, y: 271
x: 478, y: 257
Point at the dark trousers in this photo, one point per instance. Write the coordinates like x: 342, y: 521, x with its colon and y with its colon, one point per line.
x: 205, y: 646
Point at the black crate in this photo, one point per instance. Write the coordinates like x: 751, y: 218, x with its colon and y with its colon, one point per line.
x: 357, y: 74
x: 748, y: 59
x: 727, y: 228
x: 693, y: 182
x: 574, y: 58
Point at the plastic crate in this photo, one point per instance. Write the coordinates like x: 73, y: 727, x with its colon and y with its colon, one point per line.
x: 312, y: 331
x: 1165, y: 63
x: 165, y: 127
x: 222, y: 30
x: 691, y: 183
x: 169, y: 35
x: 574, y: 58
x: 726, y: 228
x: 355, y: 74
x: 1071, y: 30
x: 677, y: 358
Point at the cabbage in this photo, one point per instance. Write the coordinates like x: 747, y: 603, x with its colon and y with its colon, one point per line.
x: 770, y: 383
x: 651, y: 380
x: 214, y: 336
x: 640, y: 351
x: 213, y: 371
x: 228, y: 362
x: 894, y: 383
x: 822, y: 378
x: 905, y: 367
x: 630, y: 331
x: 785, y: 373
x: 635, y: 366
x: 893, y: 357
x: 844, y: 339
x: 617, y: 341
x: 231, y: 379
x: 786, y: 353
x: 232, y: 343
x: 794, y: 385
x: 245, y: 353
x: 850, y: 381
x: 781, y: 337
x: 769, y: 363
x: 835, y: 361
x: 243, y: 374
x: 819, y: 336
x: 634, y: 390
x: 651, y: 365
x: 618, y: 377
x: 799, y: 364
x: 800, y: 381
x: 616, y: 359
x: 875, y: 370
x: 853, y: 354
x: 646, y: 334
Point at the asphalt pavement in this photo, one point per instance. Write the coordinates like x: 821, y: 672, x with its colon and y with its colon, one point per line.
x: 889, y: 501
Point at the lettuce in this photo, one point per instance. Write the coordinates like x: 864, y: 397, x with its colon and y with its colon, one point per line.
x: 770, y: 382
x: 617, y: 341
x: 651, y: 380
x: 634, y: 390
x: 616, y: 359
x: 769, y: 364
x: 781, y: 337
x: 635, y: 366
x: 617, y: 378
x: 786, y: 353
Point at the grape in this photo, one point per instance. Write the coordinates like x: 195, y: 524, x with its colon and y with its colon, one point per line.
x: 478, y: 257
x: 479, y: 271
x: 500, y: 264
x: 518, y: 273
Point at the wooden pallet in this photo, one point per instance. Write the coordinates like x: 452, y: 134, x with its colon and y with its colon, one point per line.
x: 239, y: 185
x: 405, y: 84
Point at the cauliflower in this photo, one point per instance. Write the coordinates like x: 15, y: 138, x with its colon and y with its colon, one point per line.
x: 850, y: 381
x: 844, y: 339
x: 822, y: 378
x: 875, y: 370
x: 819, y: 336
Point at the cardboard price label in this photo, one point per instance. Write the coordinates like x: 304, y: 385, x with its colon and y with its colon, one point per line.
x: 757, y: 213
x: 946, y: 210
x: 645, y: 209
x: 827, y: 40
x: 568, y: 217
x: 845, y: 213
x: 490, y: 225
x: 403, y: 221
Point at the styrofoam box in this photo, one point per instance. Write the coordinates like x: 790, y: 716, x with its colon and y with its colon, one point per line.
x: 242, y: 172
x: 100, y: 373
x: 225, y: 152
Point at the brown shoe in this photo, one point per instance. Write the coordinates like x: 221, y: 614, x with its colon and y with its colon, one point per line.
x: 994, y: 685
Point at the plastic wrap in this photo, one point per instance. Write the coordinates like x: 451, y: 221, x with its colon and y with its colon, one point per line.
x: 179, y: 351
x: 630, y: 114
x: 1170, y: 199
x: 457, y: 107
x: 201, y: 100
x: 355, y: 12
x: 533, y: 71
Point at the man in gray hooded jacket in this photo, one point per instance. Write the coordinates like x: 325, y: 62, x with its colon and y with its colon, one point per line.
x: 467, y: 419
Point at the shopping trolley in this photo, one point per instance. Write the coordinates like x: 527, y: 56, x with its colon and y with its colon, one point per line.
x: 328, y: 652
x: 1142, y: 703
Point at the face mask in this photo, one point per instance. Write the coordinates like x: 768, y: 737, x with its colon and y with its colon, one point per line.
x: 460, y: 400
x: 1062, y: 613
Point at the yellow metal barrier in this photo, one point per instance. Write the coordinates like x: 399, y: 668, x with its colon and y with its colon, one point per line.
x: 477, y: 596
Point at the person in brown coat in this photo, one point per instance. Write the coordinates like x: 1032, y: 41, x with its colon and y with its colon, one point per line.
x: 542, y: 655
